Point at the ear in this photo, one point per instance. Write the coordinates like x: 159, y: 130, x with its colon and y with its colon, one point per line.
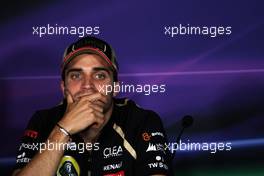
x: 62, y: 85
x: 116, y: 84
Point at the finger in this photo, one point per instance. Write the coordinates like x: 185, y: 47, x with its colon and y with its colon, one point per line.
x: 98, y: 114
x: 83, y: 93
x: 94, y: 97
x: 98, y: 122
x: 99, y: 103
x: 92, y: 111
x: 69, y: 97
x: 96, y: 118
x: 96, y: 107
x: 90, y: 107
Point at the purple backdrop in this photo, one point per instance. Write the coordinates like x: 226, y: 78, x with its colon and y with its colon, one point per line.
x: 218, y: 80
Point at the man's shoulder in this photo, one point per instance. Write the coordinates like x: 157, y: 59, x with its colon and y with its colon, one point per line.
x: 48, y: 115
x: 55, y: 110
x: 132, y: 113
x: 43, y: 120
x: 128, y: 105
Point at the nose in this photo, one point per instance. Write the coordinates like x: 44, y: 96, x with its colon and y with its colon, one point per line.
x: 87, y: 83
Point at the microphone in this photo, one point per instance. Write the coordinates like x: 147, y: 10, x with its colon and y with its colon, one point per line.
x: 186, y: 122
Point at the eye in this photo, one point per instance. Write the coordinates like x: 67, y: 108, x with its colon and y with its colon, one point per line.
x: 100, y: 76
x: 75, y: 76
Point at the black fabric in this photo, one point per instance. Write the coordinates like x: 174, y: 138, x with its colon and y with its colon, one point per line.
x: 142, y: 128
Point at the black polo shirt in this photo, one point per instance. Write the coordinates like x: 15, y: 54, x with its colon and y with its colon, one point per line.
x: 131, y: 143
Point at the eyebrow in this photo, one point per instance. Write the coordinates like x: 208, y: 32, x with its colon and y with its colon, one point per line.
x: 94, y: 69
x: 107, y: 69
x: 73, y: 70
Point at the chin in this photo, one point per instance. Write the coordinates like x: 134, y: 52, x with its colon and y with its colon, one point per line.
x: 95, y: 128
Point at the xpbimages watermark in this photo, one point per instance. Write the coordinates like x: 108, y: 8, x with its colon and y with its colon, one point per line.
x: 212, y: 147
x: 198, y: 30
x: 146, y: 89
x: 49, y: 145
x: 56, y: 29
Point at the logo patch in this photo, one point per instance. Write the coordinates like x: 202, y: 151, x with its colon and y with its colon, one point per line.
x: 155, y: 147
x: 31, y: 133
x: 146, y: 136
x: 68, y: 166
x: 113, y: 166
x: 158, y: 165
x: 22, y: 159
x: 113, y: 151
x: 120, y: 173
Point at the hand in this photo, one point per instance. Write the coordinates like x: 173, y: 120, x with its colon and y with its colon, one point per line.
x: 87, y: 110
x: 101, y: 101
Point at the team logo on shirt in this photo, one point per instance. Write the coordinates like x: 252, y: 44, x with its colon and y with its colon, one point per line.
x: 147, y: 136
x: 31, y: 133
x: 155, y: 147
x: 113, y: 151
x: 158, y: 165
x: 68, y: 167
x: 33, y: 146
x: 120, y: 173
x: 157, y: 134
x: 22, y: 159
x: 113, y: 166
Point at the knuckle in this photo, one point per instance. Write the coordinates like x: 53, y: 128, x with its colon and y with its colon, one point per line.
x: 92, y: 113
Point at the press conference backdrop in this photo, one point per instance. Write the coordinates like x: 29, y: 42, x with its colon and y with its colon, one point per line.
x: 204, y: 59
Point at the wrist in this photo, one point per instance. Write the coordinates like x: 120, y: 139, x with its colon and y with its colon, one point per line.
x: 56, y: 136
x: 63, y: 130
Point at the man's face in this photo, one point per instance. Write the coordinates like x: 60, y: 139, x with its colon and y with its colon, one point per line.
x: 88, y: 74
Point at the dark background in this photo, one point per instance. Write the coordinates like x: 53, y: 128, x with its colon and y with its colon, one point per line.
x: 219, y: 81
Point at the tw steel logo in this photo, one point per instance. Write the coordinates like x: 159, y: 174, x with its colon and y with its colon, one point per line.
x: 31, y: 134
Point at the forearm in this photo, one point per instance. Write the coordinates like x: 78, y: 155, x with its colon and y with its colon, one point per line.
x: 46, y: 162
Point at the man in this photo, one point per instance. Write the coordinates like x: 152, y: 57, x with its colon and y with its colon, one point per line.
x: 91, y: 132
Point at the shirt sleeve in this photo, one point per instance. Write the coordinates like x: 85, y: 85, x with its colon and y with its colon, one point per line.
x: 154, y: 157
x: 30, y: 142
